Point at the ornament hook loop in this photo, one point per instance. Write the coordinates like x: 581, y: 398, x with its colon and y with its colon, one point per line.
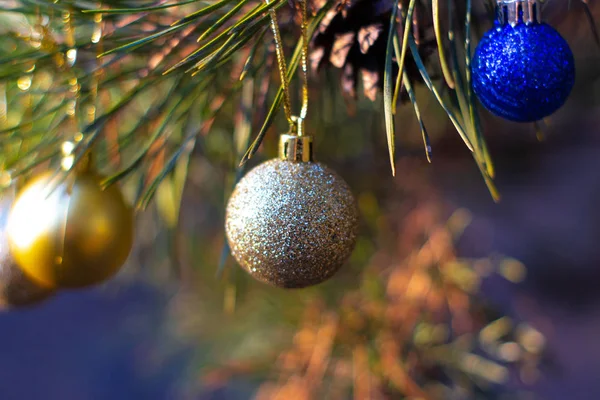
x: 298, y: 125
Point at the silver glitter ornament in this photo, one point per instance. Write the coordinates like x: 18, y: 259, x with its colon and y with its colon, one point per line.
x: 292, y: 222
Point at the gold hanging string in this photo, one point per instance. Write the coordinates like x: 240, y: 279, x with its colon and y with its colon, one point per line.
x: 88, y: 158
x: 68, y: 61
x: 304, y: 66
x: 296, y: 122
x: 281, y: 64
x: 70, y: 58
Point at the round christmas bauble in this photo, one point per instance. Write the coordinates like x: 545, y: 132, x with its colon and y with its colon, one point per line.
x: 291, y: 224
x: 72, y: 233
x: 524, y: 72
x: 16, y: 288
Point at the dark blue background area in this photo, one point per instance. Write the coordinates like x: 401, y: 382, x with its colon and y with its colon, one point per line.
x: 548, y: 219
x: 95, y: 344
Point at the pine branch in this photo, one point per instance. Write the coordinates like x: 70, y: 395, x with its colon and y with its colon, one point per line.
x: 117, y: 60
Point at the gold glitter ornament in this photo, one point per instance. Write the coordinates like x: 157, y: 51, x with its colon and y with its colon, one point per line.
x: 16, y: 288
x: 292, y: 222
x: 70, y: 234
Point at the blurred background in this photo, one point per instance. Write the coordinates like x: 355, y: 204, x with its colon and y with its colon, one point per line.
x: 448, y: 295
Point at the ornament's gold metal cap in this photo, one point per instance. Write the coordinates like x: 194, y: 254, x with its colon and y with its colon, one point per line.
x: 295, y: 148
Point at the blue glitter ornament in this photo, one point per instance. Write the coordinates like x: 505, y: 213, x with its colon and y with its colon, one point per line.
x: 522, y: 70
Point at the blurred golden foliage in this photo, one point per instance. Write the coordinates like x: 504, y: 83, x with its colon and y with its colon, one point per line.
x: 415, y: 327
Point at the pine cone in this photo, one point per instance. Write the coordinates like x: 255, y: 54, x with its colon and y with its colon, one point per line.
x: 353, y: 37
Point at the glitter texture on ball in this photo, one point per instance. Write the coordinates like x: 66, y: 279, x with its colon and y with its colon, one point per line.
x: 291, y: 224
x: 523, y: 73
